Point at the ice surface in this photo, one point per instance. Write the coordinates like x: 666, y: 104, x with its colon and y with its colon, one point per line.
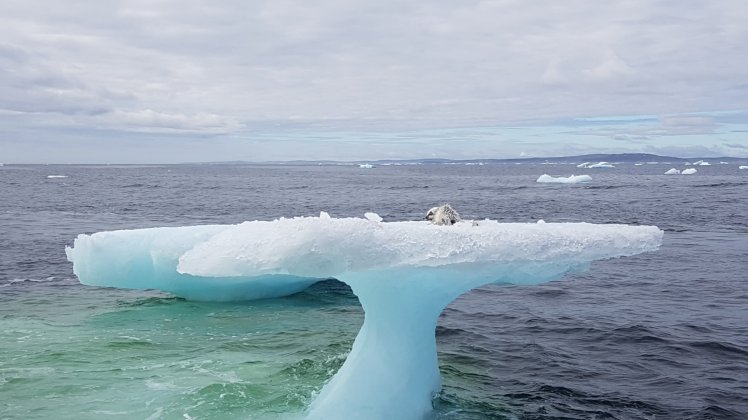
x: 574, y: 179
x: 689, y: 171
x: 672, y: 171
x: 148, y: 258
x: 404, y: 274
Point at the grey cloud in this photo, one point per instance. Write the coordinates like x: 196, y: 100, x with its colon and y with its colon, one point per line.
x: 235, y: 66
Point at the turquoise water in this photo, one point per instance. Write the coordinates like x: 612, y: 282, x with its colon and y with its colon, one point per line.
x: 86, y: 353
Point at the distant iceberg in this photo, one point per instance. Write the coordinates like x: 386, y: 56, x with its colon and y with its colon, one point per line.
x: 404, y: 274
x: 366, y: 166
x: 56, y: 176
x: 583, y: 165
x: 701, y: 163
x: 742, y: 167
x: 689, y: 171
x: 574, y: 179
x: 602, y: 165
x: 672, y: 171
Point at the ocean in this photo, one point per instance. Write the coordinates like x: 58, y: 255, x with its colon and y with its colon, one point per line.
x: 662, y: 335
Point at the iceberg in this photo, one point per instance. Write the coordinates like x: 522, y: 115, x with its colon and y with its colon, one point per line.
x: 574, y: 179
x: 404, y: 274
x: 583, y: 165
x: 689, y: 171
x: 672, y: 171
x: 742, y: 167
x: 148, y: 259
x: 601, y: 165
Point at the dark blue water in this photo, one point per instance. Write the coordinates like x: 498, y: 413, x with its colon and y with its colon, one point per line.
x: 662, y: 335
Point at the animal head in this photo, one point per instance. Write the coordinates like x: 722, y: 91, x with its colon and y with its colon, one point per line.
x: 443, y: 215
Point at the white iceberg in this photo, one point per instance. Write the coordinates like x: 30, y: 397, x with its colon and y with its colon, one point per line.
x: 56, y: 176
x: 672, y: 171
x: 583, y: 165
x: 602, y: 165
x: 373, y: 217
x: 689, y: 171
x: 742, y: 167
x: 365, y: 166
x: 404, y: 274
x: 702, y: 163
x: 574, y: 179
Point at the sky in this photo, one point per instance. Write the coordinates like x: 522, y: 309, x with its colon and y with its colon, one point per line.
x: 163, y: 81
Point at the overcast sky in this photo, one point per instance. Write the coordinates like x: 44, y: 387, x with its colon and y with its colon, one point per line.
x: 174, y: 81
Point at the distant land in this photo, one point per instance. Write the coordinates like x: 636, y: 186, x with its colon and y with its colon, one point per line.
x: 600, y: 157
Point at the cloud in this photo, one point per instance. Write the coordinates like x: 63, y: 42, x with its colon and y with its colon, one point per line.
x: 150, y: 121
x: 646, y: 130
x: 235, y: 67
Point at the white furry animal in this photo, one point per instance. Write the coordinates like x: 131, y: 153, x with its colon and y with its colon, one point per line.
x: 443, y: 215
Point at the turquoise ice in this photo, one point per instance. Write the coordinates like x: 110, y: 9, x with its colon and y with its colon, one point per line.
x: 404, y: 274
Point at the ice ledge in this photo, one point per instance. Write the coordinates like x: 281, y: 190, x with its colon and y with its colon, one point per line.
x: 404, y: 274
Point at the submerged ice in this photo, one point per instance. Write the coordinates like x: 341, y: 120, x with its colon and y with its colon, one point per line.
x: 404, y: 274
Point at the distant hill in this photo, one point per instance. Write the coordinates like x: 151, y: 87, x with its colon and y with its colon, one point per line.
x: 599, y: 157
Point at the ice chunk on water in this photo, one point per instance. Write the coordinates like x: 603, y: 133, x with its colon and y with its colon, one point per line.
x: 148, y: 258
x: 574, y: 179
x: 404, y: 274
x: 373, y: 217
x: 742, y: 167
x: 601, y: 165
x: 672, y: 171
x: 689, y: 171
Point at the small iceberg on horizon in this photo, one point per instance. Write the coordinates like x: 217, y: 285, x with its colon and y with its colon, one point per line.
x: 583, y: 165
x: 689, y: 171
x: 574, y: 179
x: 602, y: 165
x: 702, y: 163
x: 365, y: 166
x: 742, y: 167
x: 56, y: 176
x: 672, y: 171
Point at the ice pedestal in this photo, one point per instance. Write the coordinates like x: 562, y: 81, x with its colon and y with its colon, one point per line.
x: 404, y: 274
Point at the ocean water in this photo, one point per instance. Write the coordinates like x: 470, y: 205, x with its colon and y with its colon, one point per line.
x: 662, y: 335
